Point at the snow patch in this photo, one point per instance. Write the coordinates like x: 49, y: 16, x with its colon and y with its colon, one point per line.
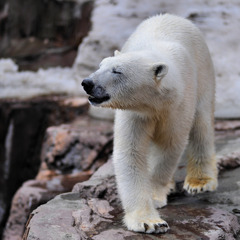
x: 26, y: 84
x: 114, y: 21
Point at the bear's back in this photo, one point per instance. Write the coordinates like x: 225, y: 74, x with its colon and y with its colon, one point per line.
x: 170, y: 29
x: 175, y: 39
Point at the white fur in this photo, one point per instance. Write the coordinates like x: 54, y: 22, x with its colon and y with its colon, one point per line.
x: 160, y: 111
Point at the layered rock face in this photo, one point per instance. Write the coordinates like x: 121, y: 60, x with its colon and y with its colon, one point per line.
x: 22, y: 129
x: 35, y: 34
x: 71, y: 153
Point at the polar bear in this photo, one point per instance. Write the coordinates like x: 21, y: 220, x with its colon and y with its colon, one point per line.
x: 162, y: 85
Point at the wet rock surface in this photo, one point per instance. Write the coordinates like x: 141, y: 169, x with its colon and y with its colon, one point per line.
x: 70, y: 154
x: 93, y: 210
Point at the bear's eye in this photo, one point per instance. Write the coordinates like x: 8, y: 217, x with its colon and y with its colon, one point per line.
x: 115, y: 71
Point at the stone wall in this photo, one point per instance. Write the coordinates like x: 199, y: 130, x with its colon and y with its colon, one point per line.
x: 39, y: 33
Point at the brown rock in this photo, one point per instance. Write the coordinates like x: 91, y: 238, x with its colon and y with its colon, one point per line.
x: 22, y: 128
x: 229, y: 161
x: 68, y: 150
x: 26, y: 199
x: 227, y: 144
x: 223, y: 125
x: 47, y: 185
x: 78, y: 146
x: 101, y: 185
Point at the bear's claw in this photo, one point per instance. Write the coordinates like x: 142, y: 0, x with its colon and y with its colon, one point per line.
x: 199, y: 185
x: 154, y: 228
x: 148, y: 226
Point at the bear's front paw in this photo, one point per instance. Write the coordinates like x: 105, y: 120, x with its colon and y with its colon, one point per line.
x: 146, y: 224
x: 194, y: 185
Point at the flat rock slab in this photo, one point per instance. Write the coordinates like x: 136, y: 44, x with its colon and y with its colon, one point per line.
x: 57, y: 214
x: 93, y: 210
x: 187, y: 222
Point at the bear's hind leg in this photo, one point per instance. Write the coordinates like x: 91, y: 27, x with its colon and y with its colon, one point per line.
x: 201, y: 167
x: 163, y: 161
x: 160, y: 193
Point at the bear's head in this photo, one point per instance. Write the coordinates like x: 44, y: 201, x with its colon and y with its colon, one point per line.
x: 125, y: 81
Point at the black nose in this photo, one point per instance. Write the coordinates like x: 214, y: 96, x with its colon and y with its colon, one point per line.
x: 88, y: 85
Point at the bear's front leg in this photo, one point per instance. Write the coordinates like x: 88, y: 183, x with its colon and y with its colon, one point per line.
x: 131, y: 142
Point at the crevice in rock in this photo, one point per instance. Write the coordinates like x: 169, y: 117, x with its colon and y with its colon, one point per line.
x: 58, y: 164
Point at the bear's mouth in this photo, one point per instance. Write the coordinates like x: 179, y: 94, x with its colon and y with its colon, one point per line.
x: 98, y: 100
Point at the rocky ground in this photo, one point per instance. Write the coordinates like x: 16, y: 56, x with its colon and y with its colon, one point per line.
x: 22, y: 129
x: 93, y: 210
x: 71, y: 153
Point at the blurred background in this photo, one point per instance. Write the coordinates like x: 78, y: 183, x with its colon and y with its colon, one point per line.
x: 48, y: 142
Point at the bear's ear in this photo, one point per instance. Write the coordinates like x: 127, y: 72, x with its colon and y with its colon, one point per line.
x: 160, y: 70
x: 116, y: 52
